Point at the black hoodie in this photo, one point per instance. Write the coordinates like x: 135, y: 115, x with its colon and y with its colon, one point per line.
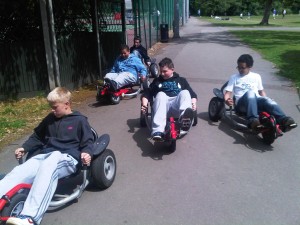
x: 171, y: 87
x: 70, y: 134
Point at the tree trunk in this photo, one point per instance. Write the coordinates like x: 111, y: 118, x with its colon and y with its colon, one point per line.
x: 268, y: 7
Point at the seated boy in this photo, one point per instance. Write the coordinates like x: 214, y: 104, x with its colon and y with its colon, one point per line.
x: 65, y: 139
x: 173, y: 97
x: 250, y: 97
x: 126, y: 70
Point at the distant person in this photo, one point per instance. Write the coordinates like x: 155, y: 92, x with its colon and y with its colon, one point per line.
x: 283, y: 13
x: 249, y: 15
x: 241, y: 16
x: 199, y: 12
x: 274, y: 14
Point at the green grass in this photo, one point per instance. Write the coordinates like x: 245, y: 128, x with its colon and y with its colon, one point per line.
x: 279, y: 47
x: 282, y: 48
x: 235, y: 21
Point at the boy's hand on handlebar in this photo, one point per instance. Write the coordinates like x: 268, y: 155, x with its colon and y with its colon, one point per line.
x: 144, y: 109
x: 86, y: 158
x: 19, y: 153
x: 229, y: 101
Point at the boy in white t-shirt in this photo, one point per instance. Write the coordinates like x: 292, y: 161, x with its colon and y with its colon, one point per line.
x: 250, y: 97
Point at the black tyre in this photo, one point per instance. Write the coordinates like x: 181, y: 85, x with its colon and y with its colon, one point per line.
x: 215, y: 109
x: 115, y: 99
x: 15, y: 207
x: 154, y: 70
x: 173, y: 146
x: 143, y: 122
x: 104, y: 169
x: 195, y: 118
x: 269, y: 137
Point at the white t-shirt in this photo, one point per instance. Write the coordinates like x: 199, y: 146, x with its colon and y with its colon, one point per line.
x: 240, y: 84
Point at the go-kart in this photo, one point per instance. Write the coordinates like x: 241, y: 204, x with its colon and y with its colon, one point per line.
x: 104, y: 92
x: 173, y: 129
x: 268, y: 128
x: 101, y: 173
x: 152, y: 69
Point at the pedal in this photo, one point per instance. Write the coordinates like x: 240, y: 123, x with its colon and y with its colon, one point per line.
x: 185, y: 124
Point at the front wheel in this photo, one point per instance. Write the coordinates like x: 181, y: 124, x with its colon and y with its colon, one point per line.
x: 215, y: 109
x: 15, y: 206
x: 115, y: 99
x: 104, y: 169
x: 172, y: 146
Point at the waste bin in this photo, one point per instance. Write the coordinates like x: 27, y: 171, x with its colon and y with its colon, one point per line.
x: 164, y: 32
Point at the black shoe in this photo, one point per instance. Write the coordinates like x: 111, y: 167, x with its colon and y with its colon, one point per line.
x: 158, y: 136
x: 254, y: 124
x: 111, y: 84
x: 287, y: 123
x: 186, y: 119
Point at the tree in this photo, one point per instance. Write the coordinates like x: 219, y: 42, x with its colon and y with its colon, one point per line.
x: 268, y: 7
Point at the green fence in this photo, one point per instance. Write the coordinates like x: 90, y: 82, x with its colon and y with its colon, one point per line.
x: 23, y: 65
x: 149, y: 14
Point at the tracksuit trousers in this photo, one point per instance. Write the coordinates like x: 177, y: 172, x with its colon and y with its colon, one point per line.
x: 43, y: 172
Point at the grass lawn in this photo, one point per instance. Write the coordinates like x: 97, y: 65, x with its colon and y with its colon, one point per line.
x: 279, y: 47
x: 235, y: 21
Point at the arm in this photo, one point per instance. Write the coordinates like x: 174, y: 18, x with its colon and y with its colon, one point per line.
x: 86, y: 143
x: 144, y: 104
x: 141, y: 69
x: 228, y: 99
x: 194, y: 104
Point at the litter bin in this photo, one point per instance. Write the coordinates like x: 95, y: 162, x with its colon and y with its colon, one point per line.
x: 164, y: 32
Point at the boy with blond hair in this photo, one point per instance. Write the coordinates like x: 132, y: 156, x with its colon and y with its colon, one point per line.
x: 64, y: 138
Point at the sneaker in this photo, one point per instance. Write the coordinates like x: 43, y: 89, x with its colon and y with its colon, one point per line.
x: 20, y: 220
x: 158, y: 136
x: 186, y: 119
x: 112, y: 84
x: 254, y: 124
x: 287, y: 124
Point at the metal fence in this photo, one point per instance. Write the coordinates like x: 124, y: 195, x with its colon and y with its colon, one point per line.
x: 24, y: 66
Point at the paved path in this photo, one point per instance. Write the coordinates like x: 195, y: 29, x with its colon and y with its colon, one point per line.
x: 216, y: 176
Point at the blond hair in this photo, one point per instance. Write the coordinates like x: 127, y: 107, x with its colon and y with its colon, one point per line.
x: 59, y: 94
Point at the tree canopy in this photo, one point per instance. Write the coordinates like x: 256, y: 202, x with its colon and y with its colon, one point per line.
x: 235, y: 8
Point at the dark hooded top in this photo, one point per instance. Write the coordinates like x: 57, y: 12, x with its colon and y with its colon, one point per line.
x: 171, y: 87
x: 70, y: 134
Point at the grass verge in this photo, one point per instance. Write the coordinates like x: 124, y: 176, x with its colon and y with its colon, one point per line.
x: 18, y: 118
x: 279, y: 47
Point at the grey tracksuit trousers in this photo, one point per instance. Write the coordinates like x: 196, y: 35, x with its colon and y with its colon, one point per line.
x: 43, y: 172
x: 165, y: 106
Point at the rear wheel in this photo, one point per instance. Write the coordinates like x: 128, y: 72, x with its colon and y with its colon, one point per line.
x: 215, y: 109
x: 154, y: 70
x: 15, y: 206
x: 104, y: 169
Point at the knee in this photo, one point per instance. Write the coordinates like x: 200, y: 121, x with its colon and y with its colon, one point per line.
x: 160, y: 96
x: 250, y: 94
x: 185, y: 94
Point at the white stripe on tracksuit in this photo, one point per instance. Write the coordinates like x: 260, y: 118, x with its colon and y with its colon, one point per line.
x: 43, y: 172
